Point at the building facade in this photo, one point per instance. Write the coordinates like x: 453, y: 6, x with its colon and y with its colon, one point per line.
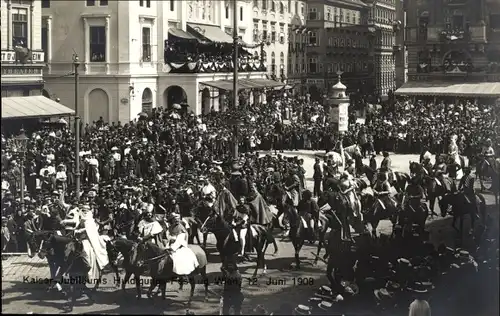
x: 453, y: 40
x: 21, y: 43
x: 338, y: 42
x: 121, y: 47
x: 400, y: 51
x: 297, y: 40
x: 382, y: 16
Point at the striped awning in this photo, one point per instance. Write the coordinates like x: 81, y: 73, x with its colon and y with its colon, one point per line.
x: 209, y: 32
x: 481, y: 89
x: 32, y: 107
x: 243, y: 84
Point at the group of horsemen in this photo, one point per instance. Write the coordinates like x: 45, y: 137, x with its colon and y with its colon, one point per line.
x: 172, y: 233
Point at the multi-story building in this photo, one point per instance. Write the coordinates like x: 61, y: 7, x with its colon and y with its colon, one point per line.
x: 338, y: 41
x: 21, y: 43
x: 382, y: 17
x: 400, y: 51
x: 297, y: 40
x: 122, y: 46
x: 271, y: 20
x: 452, y: 42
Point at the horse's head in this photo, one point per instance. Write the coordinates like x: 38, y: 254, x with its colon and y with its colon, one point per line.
x: 72, y: 247
x: 213, y: 221
x: 415, y: 167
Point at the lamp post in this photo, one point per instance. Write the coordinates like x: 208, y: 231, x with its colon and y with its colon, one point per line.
x: 235, y: 77
x: 76, y: 63
x: 22, y: 144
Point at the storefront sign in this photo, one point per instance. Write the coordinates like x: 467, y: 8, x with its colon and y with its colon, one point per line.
x: 21, y: 71
x: 315, y: 81
x: 10, y: 57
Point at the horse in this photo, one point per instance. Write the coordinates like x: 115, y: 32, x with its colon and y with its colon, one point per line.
x: 125, y: 222
x: 433, y: 187
x: 35, y: 243
x: 333, y: 221
x: 398, y: 181
x: 200, y: 215
x: 227, y: 244
x: 488, y: 172
x: 161, y: 265
x: 128, y: 249
x: 67, y: 255
x: 375, y: 210
x: 461, y: 207
x: 412, y: 212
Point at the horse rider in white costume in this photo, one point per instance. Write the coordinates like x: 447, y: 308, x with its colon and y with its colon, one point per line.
x: 94, y: 246
x: 453, y: 153
x: 184, y: 259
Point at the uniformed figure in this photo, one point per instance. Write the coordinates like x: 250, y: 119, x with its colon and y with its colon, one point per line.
x: 415, y: 195
x: 309, y: 210
x: 382, y: 190
x: 386, y: 166
x: 318, y: 177
x: 241, y: 224
x: 466, y: 185
x: 440, y: 171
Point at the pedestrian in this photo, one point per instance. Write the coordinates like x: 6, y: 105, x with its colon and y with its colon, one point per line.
x: 232, y: 296
x: 318, y: 177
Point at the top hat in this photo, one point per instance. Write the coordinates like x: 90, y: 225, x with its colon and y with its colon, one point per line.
x: 324, y: 305
x: 302, y: 310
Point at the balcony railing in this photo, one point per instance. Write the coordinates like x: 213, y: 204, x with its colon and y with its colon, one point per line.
x: 452, y: 35
x: 22, y: 56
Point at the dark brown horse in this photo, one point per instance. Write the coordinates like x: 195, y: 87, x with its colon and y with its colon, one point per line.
x: 398, y: 181
x: 228, y: 246
x: 161, y: 266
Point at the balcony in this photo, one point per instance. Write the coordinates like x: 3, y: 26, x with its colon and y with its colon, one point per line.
x: 478, y: 34
x: 454, y: 35
x: 23, y: 56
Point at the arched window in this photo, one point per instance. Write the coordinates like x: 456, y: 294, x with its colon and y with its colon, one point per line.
x: 273, y: 62
x: 264, y: 56
x: 256, y: 3
x: 282, y: 58
x: 273, y: 6
x: 282, y: 8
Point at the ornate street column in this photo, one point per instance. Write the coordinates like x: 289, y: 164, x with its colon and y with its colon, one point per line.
x: 107, y: 44
x: 49, y: 43
x: 32, y: 18
x: 86, y: 37
x: 9, y: 29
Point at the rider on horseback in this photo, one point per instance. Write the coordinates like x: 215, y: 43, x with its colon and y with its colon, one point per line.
x: 440, y: 170
x: 386, y: 166
x: 426, y: 163
x: 184, y: 259
x: 382, y: 191
x: 466, y: 186
x: 309, y: 210
x: 415, y: 195
x: 489, y: 152
x: 241, y: 223
x: 149, y: 228
x: 347, y: 188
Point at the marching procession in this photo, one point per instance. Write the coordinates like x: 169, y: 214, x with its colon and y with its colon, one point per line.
x: 152, y: 187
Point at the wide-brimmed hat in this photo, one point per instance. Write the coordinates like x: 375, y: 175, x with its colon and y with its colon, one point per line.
x: 302, y: 310
x: 270, y: 169
x: 404, y: 261
x: 324, y: 305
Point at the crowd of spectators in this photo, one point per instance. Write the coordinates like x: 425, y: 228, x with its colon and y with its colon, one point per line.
x: 187, y: 145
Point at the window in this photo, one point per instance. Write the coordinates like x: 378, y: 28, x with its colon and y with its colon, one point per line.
x: 227, y: 12
x: 282, y: 58
x: 313, y: 65
x: 348, y: 17
x: 256, y: 3
x: 97, y: 44
x: 328, y: 14
x: 241, y: 13
x: 313, y: 14
x: 282, y: 8
x: 296, y: 7
x: 103, y: 3
x: 458, y: 22
x: 45, y: 42
x: 313, y: 40
x: 146, y: 44
x: 273, y: 6
x: 495, y: 21
x: 264, y: 4
x: 45, y: 3
x: 19, y: 27
x: 90, y: 3
x: 273, y: 36
x: 141, y: 3
x: 302, y: 9
x: 172, y: 5
x: 273, y: 62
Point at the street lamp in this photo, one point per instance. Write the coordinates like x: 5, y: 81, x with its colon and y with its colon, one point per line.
x: 76, y: 63
x: 22, y: 145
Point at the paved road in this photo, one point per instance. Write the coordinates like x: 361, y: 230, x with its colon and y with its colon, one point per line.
x: 22, y: 296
